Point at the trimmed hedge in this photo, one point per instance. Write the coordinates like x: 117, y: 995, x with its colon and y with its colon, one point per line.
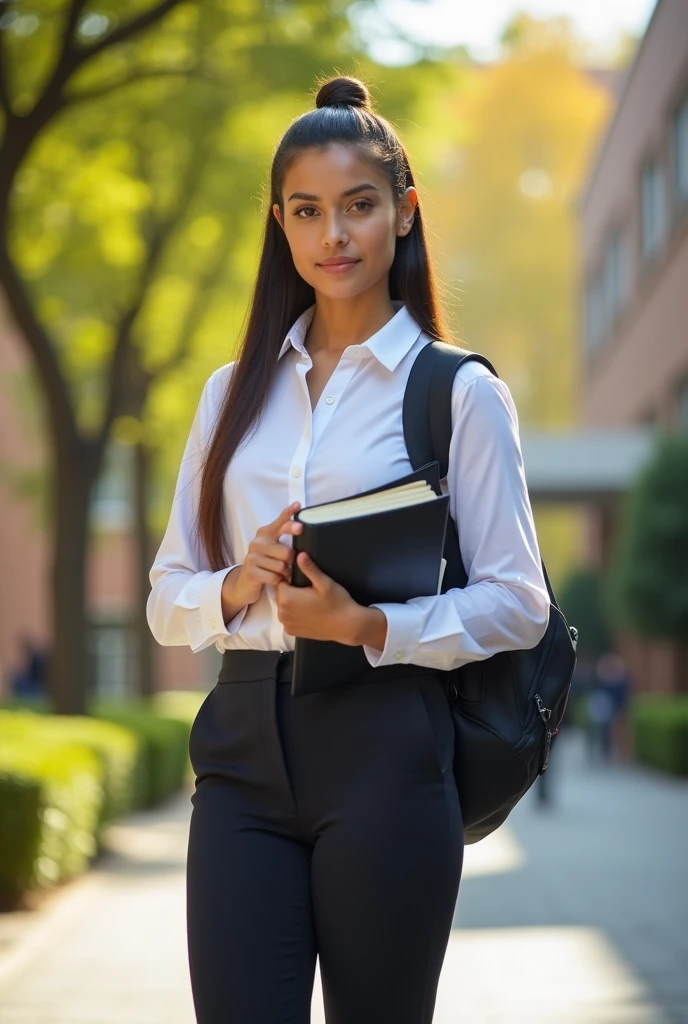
x: 182, y: 705
x: 660, y: 730
x: 71, y: 791
x: 119, y: 750
x: 164, y: 742
x: 63, y: 777
x: 20, y: 835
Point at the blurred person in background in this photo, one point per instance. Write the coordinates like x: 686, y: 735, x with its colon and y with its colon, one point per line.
x: 607, y: 703
x: 29, y: 676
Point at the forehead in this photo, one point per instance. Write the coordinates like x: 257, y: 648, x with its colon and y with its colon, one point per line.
x: 329, y: 171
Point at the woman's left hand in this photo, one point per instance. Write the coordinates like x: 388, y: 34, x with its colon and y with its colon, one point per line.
x: 325, y: 611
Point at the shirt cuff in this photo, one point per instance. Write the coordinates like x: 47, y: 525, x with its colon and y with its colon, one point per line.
x: 210, y: 606
x: 404, y: 625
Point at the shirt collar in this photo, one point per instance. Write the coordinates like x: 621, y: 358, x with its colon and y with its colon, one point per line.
x: 389, y: 345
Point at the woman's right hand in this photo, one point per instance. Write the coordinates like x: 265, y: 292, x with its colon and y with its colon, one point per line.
x: 267, y: 561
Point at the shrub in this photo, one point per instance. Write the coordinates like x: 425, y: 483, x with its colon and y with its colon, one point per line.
x: 20, y: 835
x: 119, y: 750
x: 70, y: 781
x: 648, y: 582
x: 582, y: 602
x: 660, y: 727
x: 165, y: 746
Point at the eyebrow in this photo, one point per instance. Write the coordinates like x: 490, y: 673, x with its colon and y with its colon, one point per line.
x: 366, y: 186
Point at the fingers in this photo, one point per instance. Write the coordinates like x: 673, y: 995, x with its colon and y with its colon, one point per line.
x: 277, y: 527
x: 273, y: 578
x: 280, y: 566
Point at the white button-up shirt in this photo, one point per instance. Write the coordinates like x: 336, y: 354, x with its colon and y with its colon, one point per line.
x: 353, y: 441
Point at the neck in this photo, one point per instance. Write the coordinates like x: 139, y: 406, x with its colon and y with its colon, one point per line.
x: 338, y: 323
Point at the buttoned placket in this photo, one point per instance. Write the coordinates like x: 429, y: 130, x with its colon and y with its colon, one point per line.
x: 316, y: 420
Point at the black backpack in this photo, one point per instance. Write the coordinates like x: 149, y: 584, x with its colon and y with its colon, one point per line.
x: 508, y: 708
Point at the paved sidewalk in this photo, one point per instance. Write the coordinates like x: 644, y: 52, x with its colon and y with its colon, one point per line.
x: 110, y: 948
x: 576, y: 915
x: 579, y: 913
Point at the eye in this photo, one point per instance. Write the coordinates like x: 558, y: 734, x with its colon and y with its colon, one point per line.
x: 362, y: 204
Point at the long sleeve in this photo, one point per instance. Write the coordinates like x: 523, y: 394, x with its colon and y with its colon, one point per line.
x: 184, y: 606
x: 505, y: 604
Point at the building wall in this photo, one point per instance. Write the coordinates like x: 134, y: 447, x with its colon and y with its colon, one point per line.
x: 635, y: 302
x: 633, y: 368
x: 24, y: 597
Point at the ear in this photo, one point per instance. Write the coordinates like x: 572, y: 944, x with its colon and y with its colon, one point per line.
x: 277, y: 214
x: 406, y: 211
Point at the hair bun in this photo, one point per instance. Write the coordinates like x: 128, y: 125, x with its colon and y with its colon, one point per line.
x: 347, y: 91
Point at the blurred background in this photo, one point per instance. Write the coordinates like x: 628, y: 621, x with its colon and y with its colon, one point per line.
x: 549, y: 139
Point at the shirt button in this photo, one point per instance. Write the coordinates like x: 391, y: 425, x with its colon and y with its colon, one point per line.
x: 329, y: 399
x: 213, y: 623
x: 399, y: 655
x: 296, y: 471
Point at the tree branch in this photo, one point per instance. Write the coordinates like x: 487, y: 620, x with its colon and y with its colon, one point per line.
x: 121, y: 364
x: 126, y: 31
x: 72, y: 56
x: 63, y: 424
x: 98, y: 92
x: 196, y: 310
x: 5, y: 102
x: 117, y: 375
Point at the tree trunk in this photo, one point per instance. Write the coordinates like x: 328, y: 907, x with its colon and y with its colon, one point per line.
x: 144, y: 557
x: 68, y: 663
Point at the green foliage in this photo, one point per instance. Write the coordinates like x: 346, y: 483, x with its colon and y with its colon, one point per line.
x: 164, y: 744
x: 64, y: 777
x: 20, y: 835
x: 648, y: 583
x: 660, y: 728
x: 181, y: 704
x: 582, y: 602
x: 119, y: 750
x: 71, y: 782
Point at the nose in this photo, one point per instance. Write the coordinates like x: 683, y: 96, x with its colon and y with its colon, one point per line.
x: 334, y: 231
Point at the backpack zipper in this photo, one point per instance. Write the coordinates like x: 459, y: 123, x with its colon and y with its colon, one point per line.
x: 544, y: 714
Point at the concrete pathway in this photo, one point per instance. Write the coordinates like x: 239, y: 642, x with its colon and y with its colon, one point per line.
x: 574, y: 915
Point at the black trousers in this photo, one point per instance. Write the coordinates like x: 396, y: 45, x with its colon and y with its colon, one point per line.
x: 326, y: 825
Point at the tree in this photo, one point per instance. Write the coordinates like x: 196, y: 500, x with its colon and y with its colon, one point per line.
x: 100, y: 123
x: 582, y: 601
x: 648, y: 582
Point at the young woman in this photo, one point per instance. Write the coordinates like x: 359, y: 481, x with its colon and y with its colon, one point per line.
x: 329, y: 825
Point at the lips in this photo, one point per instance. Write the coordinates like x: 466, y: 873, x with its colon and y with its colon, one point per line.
x: 338, y: 261
x: 338, y: 266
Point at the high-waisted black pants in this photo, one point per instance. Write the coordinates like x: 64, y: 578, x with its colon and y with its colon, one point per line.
x: 324, y: 825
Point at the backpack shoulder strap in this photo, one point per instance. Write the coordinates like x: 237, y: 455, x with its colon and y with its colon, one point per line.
x: 427, y: 402
x: 427, y: 425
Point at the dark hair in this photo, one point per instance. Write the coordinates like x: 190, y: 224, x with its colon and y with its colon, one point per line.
x: 343, y: 114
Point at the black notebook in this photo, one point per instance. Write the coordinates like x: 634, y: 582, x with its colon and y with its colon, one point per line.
x: 386, y: 549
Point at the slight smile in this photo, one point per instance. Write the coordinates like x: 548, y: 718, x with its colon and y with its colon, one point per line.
x: 340, y: 267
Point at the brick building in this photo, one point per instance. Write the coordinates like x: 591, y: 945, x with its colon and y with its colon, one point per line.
x: 634, y: 278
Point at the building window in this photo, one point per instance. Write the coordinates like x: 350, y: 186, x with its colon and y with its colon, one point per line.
x: 680, y: 152
x: 113, y: 495
x: 653, y: 209
x: 615, y: 279
x: 594, y: 313
x: 113, y: 659
x: 682, y: 403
